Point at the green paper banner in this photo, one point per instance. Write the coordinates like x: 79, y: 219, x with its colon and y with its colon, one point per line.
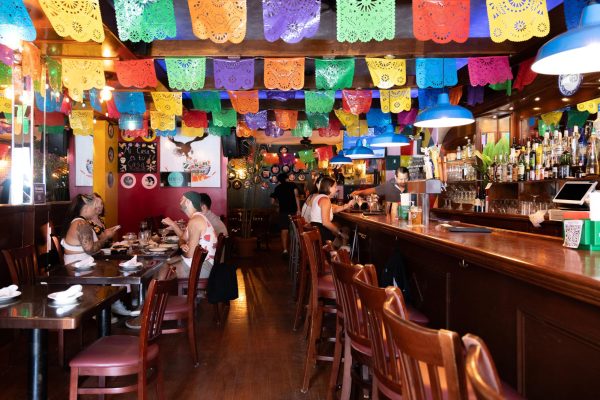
x: 207, y: 100
x: 186, y: 73
x: 334, y: 74
x: 225, y: 118
x: 319, y: 101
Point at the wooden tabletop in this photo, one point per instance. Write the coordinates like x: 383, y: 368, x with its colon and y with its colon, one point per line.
x: 140, y: 252
x: 105, y: 272
x: 34, y: 310
x: 541, y: 260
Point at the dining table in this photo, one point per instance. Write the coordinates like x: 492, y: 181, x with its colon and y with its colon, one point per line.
x: 34, y: 311
x: 107, y: 271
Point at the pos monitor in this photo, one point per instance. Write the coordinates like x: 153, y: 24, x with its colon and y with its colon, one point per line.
x: 574, y: 193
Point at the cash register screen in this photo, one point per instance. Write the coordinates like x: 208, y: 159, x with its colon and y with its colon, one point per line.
x: 574, y: 192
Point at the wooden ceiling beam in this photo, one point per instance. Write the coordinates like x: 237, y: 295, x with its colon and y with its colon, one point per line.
x: 402, y: 48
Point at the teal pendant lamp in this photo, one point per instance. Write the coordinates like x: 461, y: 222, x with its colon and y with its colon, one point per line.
x: 340, y: 159
x: 444, y: 115
x: 573, y: 52
x: 390, y: 139
x: 360, y: 151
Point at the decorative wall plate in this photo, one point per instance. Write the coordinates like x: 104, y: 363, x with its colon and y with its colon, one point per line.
x: 111, y: 131
x: 256, y: 179
x: 285, y: 168
x: 111, y: 154
x: 275, y: 169
x: 242, y: 175
x: 301, y: 177
x: 247, y: 184
x: 291, y: 177
x: 264, y: 185
x: 150, y: 137
x: 231, y: 175
x: 266, y: 174
x: 236, y: 184
x: 149, y: 181
x: 569, y: 84
x: 274, y: 179
x: 110, y: 179
x: 128, y: 181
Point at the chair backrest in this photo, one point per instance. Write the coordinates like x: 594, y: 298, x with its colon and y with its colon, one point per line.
x: 344, y: 256
x: 58, y: 248
x: 387, y: 370
x: 481, y: 370
x: 355, y: 318
x: 432, y: 360
x: 312, y: 257
x: 153, y: 312
x: 22, y: 264
x: 195, y: 268
x: 221, y: 241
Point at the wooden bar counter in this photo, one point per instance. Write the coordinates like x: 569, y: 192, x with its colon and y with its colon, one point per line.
x: 534, y: 302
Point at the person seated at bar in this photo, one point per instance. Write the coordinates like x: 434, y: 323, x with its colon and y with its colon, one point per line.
x: 80, y: 239
x: 306, y: 207
x: 322, y: 210
x: 390, y: 190
x: 286, y: 196
x: 199, y: 232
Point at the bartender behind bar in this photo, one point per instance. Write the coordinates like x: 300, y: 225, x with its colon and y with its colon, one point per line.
x: 390, y: 190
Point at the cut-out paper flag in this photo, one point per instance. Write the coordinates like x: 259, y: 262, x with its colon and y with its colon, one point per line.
x: 219, y: 21
x: 136, y: 73
x: 291, y: 20
x: 233, y: 74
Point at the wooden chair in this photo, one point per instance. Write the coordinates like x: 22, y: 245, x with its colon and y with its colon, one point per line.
x: 432, y: 360
x: 300, y: 226
x: 183, y: 308
x: 121, y: 355
x: 481, y: 370
x: 58, y: 247
x: 357, y: 346
x: 23, y: 268
x: 321, y: 289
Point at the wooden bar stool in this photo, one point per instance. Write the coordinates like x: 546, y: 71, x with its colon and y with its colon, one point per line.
x: 432, y: 360
x: 322, y: 292
x: 301, y: 226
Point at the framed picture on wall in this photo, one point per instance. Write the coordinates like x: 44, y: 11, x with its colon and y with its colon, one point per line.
x: 199, y: 157
x: 84, y: 160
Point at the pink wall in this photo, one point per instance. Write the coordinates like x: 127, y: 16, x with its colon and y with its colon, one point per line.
x: 138, y: 203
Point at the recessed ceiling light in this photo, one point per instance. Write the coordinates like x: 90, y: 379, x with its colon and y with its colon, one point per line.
x: 511, y: 108
x: 536, y: 108
x: 537, y: 99
x: 565, y: 99
x: 494, y: 116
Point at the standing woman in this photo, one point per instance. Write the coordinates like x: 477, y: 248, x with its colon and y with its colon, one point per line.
x: 322, y: 210
x: 80, y: 239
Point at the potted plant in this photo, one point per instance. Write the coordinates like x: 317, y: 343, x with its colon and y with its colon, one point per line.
x: 245, y: 242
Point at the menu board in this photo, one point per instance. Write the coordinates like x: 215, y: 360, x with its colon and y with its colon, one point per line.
x: 137, y: 157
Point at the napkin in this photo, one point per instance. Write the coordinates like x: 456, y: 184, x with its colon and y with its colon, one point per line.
x: 9, y: 291
x: 537, y: 218
x: 86, y: 262
x: 130, y: 263
x: 67, y: 294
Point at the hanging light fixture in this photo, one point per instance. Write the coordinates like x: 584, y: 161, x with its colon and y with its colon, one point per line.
x: 390, y: 139
x: 340, y: 159
x: 573, y: 52
x: 444, y: 115
x: 360, y: 151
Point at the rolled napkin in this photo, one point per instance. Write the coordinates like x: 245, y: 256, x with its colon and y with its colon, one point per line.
x: 86, y: 262
x: 67, y: 294
x: 130, y: 263
x: 537, y: 218
x: 9, y: 291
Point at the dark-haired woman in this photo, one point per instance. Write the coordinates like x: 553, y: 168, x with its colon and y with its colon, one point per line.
x: 322, y: 210
x: 80, y: 239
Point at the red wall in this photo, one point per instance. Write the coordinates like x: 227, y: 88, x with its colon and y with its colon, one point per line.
x: 138, y: 203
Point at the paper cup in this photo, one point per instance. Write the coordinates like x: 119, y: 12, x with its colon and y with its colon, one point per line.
x: 573, y: 230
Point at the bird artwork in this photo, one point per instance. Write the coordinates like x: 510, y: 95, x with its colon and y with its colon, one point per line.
x: 185, y: 148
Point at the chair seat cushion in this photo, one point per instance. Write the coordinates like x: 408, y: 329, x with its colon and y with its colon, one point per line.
x: 417, y: 316
x: 176, y: 304
x: 509, y: 393
x: 112, y: 351
x: 326, y: 287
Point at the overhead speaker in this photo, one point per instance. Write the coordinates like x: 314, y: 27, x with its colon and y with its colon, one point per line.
x: 230, y: 147
x: 57, y: 144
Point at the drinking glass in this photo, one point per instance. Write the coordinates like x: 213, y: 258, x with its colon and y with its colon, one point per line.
x: 163, y: 234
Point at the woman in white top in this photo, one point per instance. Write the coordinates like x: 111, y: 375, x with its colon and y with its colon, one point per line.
x: 322, y: 210
x: 80, y: 241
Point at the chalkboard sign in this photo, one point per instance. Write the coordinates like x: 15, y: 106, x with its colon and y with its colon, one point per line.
x: 137, y: 157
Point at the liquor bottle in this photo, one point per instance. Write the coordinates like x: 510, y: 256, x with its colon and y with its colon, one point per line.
x: 469, y: 149
x: 500, y: 169
x: 532, y: 162
x: 592, y: 160
x: 509, y: 166
x: 565, y: 164
x: 458, y: 153
x: 555, y: 167
x: 521, y: 167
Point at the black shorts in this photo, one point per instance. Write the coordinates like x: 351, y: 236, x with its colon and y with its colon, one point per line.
x: 283, y: 221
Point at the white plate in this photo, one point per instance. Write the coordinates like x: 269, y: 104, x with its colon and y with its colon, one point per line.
x: 158, y: 249
x: 134, y: 266
x: 6, y: 299
x: 89, y: 266
x: 70, y: 300
x: 170, y: 245
x: 172, y: 238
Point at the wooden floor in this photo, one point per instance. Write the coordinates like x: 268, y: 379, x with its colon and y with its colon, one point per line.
x: 254, y: 354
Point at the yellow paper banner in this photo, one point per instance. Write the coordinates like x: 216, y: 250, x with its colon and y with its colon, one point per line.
x: 590, y: 106
x: 162, y: 121
x: 79, y: 75
x: 517, y: 21
x: 82, y: 122
x: 387, y: 73
x: 79, y: 19
x: 347, y: 119
x: 5, y: 105
x: 357, y: 130
x: 552, y: 118
x: 395, y: 100
x: 168, y: 102
x: 191, y: 131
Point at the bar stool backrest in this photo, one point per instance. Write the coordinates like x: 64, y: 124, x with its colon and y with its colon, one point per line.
x: 153, y: 312
x: 22, y: 264
x: 311, y: 248
x: 387, y: 370
x: 432, y: 360
x: 58, y: 248
x: 481, y: 370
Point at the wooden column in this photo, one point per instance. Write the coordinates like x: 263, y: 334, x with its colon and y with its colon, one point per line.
x: 106, y: 175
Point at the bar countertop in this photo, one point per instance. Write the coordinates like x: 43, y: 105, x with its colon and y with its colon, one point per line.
x: 540, y: 260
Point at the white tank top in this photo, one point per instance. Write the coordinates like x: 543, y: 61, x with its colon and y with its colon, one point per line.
x: 208, y: 241
x: 315, y: 209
